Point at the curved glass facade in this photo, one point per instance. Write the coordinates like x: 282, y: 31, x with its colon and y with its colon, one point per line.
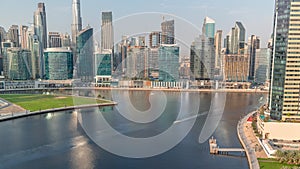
x: 85, y: 55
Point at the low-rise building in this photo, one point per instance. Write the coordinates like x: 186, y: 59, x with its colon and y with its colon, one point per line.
x: 287, y: 131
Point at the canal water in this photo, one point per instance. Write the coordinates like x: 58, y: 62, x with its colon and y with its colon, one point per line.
x: 67, y: 139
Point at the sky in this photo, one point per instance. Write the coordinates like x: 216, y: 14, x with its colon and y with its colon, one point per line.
x: 140, y: 16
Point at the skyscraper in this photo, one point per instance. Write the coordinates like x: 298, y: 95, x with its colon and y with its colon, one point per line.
x: 238, y: 35
x: 40, y: 25
x: 77, y: 22
x: 13, y: 35
x: 19, y: 65
x: 6, y: 45
x: 262, y: 65
x: 2, y: 37
x: 40, y: 31
x: 154, y: 39
x: 137, y: 58
x: 208, y: 28
x: 36, y: 59
x: 168, y: 32
x: 85, y: 62
x: 253, y: 44
x: 284, y: 101
x: 54, y: 40
x: 153, y: 54
x: 218, y: 48
x: 24, y: 37
x: 203, y: 52
x: 203, y: 58
x: 107, y: 34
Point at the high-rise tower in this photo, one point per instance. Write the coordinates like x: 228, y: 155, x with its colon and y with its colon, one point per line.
x: 107, y: 34
x: 85, y: 62
x: 238, y: 35
x: 13, y: 35
x: 284, y: 103
x: 24, y: 36
x: 253, y: 44
x: 208, y: 28
x: 168, y: 32
x: 40, y: 24
x: 77, y: 22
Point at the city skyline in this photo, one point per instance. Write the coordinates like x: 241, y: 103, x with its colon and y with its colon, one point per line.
x: 224, y: 13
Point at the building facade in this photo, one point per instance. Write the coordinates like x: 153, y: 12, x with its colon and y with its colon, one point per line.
x: 169, y: 63
x: 237, y: 41
x: 58, y: 64
x: 236, y: 67
x: 208, y: 28
x: 202, y: 58
x: 54, y: 40
x: 13, y: 35
x: 24, y: 36
x: 284, y: 101
x: 262, y: 65
x: 4, y: 47
x: 168, y: 32
x: 153, y: 63
x: 85, y: 60
x: 136, y: 62
x: 253, y: 45
x: 3, y: 37
x: 40, y: 32
x: 218, y: 49
x: 104, y: 69
x: 107, y: 34
x: 76, y: 21
x: 19, y: 64
x: 154, y: 39
x: 40, y: 25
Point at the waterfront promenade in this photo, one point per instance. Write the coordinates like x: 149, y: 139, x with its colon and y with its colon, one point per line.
x: 13, y: 111
x: 247, y: 142
x: 138, y: 89
x: 8, y: 108
x: 184, y: 90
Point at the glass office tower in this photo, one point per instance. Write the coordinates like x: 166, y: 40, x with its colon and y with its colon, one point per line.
x: 284, y: 101
x: 169, y: 63
x: 58, y: 63
x: 85, y: 55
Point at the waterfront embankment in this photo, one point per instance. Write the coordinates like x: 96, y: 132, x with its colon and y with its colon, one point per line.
x: 246, y: 143
x: 182, y: 90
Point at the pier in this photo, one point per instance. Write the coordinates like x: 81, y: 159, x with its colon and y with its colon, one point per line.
x: 215, y: 149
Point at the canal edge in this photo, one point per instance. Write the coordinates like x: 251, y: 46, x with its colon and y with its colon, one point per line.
x: 251, y: 157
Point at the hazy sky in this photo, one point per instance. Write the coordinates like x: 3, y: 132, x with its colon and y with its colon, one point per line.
x: 256, y: 15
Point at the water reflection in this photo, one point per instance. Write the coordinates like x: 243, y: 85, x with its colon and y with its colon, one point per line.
x: 60, y: 142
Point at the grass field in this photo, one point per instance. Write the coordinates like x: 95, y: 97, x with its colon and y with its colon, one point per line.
x: 272, y: 164
x: 35, y: 102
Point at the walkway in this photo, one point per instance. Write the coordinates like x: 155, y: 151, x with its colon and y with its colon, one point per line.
x: 252, y: 159
x: 8, y: 108
x: 21, y: 114
x: 215, y: 149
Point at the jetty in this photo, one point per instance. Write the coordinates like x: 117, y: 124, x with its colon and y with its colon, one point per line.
x: 215, y: 149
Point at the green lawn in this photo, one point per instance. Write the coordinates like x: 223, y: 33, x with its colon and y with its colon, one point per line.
x: 35, y: 102
x: 272, y: 164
